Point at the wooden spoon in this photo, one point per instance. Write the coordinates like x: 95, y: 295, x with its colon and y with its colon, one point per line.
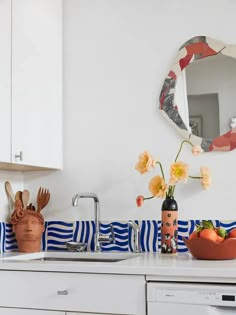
x: 10, y: 195
x: 9, y: 192
x: 18, y: 195
x: 25, y: 198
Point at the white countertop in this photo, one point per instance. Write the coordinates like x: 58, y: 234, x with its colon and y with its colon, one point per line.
x: 155, y: 266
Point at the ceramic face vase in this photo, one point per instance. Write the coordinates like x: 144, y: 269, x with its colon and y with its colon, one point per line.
x: 28, y: 230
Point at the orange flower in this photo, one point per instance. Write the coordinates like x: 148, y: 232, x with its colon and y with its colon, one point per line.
x: 178, y: 171
x: 158, y: 187
x: 173, y: 181
x: 196, y: 150
x: 206, y: 177
x: 145, y: 163
x: 139, y: 201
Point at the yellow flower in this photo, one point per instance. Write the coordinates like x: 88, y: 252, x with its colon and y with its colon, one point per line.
x: 145, y: 162
x: 196, y: 150
x: 157, y: 187
x: 206, y: 177
x: 178, y: 171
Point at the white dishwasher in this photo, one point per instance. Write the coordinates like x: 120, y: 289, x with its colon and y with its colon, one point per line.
x: 167, y: 298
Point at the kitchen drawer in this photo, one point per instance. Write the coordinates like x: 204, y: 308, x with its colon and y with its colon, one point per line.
x: 99, y: 293
x: 23, y: 311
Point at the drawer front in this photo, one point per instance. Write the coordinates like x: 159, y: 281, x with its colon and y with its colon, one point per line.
x: 102, y: 293
x: 23, y: 311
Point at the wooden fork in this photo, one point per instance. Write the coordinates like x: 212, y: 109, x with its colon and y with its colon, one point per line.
x: 43, y: 197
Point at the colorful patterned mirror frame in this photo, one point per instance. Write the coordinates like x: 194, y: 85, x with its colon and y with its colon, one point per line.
x: 196, y: 48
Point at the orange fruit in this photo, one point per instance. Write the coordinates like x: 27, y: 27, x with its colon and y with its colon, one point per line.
x: 209, y: 234
x: 232, y: 233
x: 193, y: 235
x: 219, y: 239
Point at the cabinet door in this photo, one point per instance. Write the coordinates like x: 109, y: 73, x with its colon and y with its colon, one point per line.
x: 23, y: 311
x: 36, y: 82
x: 5, y: 80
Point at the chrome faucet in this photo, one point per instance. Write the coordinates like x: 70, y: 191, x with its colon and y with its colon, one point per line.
x: 135, y: 227
x: 98, y: 237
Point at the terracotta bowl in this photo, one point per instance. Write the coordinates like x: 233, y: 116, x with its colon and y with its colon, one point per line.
x: 202, y: 248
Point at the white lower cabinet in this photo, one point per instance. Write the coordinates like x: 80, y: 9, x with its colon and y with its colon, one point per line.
x: 15, y: 311
x: 71, y: 293
x: 24, y: 311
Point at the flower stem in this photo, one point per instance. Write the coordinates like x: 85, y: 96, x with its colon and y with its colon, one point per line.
x: 170, y: 192
x: 173, y: 190
x: 146, y: 198
x: 162, y: 172
x: 180, y: 148
x: 195, y: 177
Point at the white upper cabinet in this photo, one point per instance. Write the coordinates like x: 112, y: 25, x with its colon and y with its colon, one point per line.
x: 36, y: 83
x: 5, y: 80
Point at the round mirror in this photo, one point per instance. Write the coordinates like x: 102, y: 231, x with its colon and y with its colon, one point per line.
x: 198, y: 95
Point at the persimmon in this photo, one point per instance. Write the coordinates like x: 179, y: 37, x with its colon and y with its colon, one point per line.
x: 209, y: 234
x: 232, y: 233
x: 219, y: 239
x: 193, y: 235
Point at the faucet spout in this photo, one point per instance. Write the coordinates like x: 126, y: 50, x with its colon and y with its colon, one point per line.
x: 83, y: 195
x: 98, y: 237
x: 75, y: 200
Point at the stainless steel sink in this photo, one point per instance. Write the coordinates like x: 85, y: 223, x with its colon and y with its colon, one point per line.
x: 70, y: 257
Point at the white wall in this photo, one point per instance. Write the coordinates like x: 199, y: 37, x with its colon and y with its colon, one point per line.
x: 116, y: 56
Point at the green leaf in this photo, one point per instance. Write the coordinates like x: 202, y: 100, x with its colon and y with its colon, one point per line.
x: 199, y: 228
x: 207, y: 225
x: 221, y: 232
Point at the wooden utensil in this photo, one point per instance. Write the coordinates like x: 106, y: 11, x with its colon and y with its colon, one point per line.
x: 10, y: 195
x: 9, y: 192
x: 18, y: 195
x: 29, y: 207
x: 25, y: 198
x: 46, y: 200
x: 43, y: 197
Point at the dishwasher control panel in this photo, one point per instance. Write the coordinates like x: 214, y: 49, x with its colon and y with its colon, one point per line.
x: 203, y: 294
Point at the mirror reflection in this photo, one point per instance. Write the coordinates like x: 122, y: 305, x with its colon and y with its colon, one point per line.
x: 211, y: 94
x: 198, y: 95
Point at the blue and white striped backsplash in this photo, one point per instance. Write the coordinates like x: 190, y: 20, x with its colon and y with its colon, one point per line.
x: 58, y: 232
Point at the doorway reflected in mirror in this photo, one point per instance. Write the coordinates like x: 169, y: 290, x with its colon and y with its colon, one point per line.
x: 204, y: 115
